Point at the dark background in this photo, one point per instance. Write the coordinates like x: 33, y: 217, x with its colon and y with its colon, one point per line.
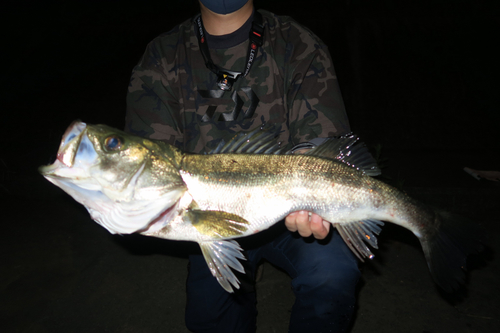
x: 420, y: 84
x: 420, y: 76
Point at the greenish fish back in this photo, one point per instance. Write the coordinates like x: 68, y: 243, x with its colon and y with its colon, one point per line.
x: 264, y: 140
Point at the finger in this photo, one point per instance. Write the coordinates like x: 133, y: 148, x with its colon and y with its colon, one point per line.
x: 327, y: 225
x: 318, y: 227
x: 302, y: 222
x: 290, y: 222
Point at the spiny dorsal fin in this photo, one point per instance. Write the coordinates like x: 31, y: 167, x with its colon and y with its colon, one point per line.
x: 262, y: 140
x: 348, y: 150
x: 358, y: 233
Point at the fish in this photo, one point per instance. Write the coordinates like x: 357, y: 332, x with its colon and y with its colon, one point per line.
x: 130, y: 184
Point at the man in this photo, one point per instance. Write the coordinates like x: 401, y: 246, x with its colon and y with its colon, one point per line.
x: 206, y: 80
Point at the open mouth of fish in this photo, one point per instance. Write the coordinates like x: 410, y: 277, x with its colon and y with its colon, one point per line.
x: 75, y: 156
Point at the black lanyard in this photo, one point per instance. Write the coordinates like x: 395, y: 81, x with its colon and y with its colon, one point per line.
x: 226, y: 78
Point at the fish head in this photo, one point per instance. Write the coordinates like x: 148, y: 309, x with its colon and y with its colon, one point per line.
x: 124, y: 181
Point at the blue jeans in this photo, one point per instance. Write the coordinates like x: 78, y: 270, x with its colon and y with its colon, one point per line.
x: 324, y: 277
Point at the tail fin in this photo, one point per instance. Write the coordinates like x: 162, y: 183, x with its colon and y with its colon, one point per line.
x: 446, y: 251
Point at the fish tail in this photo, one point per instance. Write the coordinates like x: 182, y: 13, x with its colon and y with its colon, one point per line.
x: 446, y: 248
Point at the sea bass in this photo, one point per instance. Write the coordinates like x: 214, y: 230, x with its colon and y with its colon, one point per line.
x: 131, y: 184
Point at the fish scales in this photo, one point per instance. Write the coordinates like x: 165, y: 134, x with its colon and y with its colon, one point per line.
x: 243, y: 184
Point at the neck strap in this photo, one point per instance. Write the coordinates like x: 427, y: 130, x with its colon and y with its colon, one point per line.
x: 226, y: 78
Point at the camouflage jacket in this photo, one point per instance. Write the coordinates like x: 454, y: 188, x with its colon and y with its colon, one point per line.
x: 292, y: 84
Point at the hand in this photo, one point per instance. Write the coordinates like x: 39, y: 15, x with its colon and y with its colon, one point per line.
x: 307, y: 226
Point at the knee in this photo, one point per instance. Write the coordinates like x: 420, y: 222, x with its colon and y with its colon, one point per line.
x: 327, y: 295
x: 328, y: 280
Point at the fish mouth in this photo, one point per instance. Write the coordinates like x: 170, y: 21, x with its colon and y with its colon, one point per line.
x: 75, y: 157
x: 75, y: 152
x: 70, y: 141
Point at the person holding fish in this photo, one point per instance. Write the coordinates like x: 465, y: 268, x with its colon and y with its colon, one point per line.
x: 231, y: 69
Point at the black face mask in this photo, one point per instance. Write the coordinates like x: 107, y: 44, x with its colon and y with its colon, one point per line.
x: 223, y: 6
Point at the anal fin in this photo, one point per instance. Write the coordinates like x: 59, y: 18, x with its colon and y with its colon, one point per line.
x: 221, y: 256
x: 358, y: 234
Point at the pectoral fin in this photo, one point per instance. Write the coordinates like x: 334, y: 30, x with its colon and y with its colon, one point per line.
x: 217, y: 224
x: 221, y: 256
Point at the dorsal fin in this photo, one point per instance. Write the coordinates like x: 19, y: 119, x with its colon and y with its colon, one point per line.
x: 262, y: 140
x: 349, y: 150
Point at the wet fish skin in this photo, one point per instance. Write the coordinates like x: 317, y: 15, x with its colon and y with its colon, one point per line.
x: 131, y: 184
x: 264, y: 189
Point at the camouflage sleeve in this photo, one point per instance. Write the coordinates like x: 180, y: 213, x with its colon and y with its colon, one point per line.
x: 316, y: 108
x: 152, y: 105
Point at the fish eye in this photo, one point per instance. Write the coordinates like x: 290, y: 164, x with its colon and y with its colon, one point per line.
x: 113, y: 142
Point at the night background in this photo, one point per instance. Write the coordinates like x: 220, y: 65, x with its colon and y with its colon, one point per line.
x: 420, y: 85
